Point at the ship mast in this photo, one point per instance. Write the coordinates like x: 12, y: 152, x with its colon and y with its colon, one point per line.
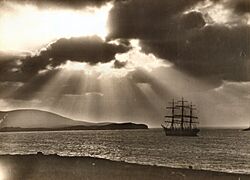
x: 172, y: 123
x: 182, y: 106
x: 173, y: 107
x: 191, y: 115
x: 183, y: 120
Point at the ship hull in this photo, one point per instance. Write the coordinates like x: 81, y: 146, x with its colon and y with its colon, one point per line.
x: 180, y: 132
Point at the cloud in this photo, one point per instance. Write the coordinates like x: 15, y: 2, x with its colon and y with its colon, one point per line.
x: 192, y: 20
x: 176, y: 32
x: 9, y: 68
x: 148, y: 19
x: 85, y: 49
x: 213, y: 51
x: 239, y: 89
x: 167, y: 29
x: 76, y: 4
x: 119, y: 64
x: 91, y: 50
x: 242, y: 6
x: 239, y: 6
x: 229, y: 104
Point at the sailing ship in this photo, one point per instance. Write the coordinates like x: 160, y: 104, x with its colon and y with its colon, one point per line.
x: 181, y: 121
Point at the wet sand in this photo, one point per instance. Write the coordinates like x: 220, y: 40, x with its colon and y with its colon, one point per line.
x: 43, y: 167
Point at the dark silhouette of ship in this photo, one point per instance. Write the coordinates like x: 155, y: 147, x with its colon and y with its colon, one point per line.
x: 181, y: 121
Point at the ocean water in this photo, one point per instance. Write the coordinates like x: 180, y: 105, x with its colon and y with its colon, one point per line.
x: 226, y: 150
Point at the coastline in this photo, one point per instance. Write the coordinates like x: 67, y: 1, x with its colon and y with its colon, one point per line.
x: 111, y: 126
x: 39, y: 166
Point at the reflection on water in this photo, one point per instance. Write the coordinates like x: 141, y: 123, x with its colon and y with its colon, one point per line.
x: 219, y: 150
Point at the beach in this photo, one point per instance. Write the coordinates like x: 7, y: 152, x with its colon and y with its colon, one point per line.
x: 44, y: 167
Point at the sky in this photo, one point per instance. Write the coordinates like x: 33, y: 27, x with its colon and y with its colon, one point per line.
x: 124, y: 60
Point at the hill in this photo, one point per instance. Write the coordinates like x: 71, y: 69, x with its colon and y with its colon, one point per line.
x: 29, y: 118
x: 36, y: 120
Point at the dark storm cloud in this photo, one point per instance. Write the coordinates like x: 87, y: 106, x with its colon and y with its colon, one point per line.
x: 91, y: 50
x: 76, y: 4
x: 16, y: 84
x: 19, y: 67
x: 86, y: 49
x: 9, y: 65
x: 219, y: 51
x: 215, y: 50
x: 35, y: 71
x: 148, y: 19
x: 242, y: 6
x: 191, y: 20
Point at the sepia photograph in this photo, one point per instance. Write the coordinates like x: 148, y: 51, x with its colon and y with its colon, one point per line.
x: 124, y: 89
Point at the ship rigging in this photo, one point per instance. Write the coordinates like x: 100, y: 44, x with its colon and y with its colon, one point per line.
x: 181, y: 121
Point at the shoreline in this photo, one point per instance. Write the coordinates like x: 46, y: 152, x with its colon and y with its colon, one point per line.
x: 40, y: 166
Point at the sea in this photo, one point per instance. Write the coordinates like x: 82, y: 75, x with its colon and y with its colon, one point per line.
x: 224, y: 150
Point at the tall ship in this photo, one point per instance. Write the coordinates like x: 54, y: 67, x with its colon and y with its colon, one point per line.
x: 181, y: 120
